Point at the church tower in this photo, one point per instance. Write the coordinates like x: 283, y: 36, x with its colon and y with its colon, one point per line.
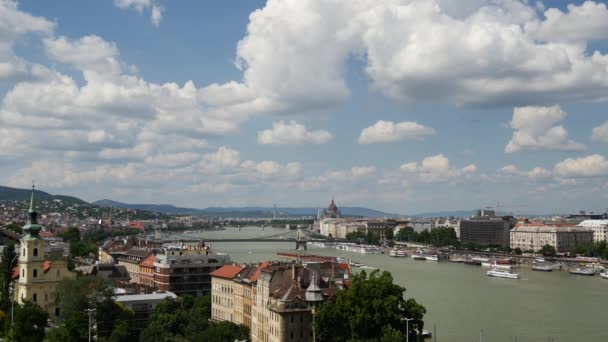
x: 31, y: 258
x: 38, y: 277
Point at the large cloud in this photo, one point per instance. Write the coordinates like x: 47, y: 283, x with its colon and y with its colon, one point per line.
x: 388, y: 131
x: 432, y: 169
x: 589, y: 166
x: 536, y: 129
x: 14, y: 24
x: 283, y: 133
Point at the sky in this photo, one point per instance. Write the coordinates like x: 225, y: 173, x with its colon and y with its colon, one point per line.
x: 405, y: 106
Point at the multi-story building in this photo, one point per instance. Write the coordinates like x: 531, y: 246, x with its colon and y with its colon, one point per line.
x: 146, y: 271
x: 487, y: 230
x: 131, y: 260
x: 36, y: 276
x: 599, y: 227
x: 143, y: 306
x: 223, y: 296
x: 186, y: 270
x: 564, y: 238
x: 329, y: 226
x: 276, y: 300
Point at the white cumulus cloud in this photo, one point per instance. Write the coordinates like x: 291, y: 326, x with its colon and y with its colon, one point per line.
x: 436, y: 168
x: 600, y: 133
x: 388, y: 131
x: 536, y: 129
x: 140, y: 6
x: 589, y: 166
x: 284, y: 133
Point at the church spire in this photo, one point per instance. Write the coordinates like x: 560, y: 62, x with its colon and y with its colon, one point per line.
x: 32, y: 198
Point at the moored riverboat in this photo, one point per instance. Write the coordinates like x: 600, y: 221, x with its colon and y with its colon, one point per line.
x: 583, y: 271
x: 502, y: 274
x: 542, y: 268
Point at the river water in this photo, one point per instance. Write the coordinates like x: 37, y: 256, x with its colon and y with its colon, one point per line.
x: 463, y: 304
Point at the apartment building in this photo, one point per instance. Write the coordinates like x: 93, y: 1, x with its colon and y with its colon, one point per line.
x: 185, y: 270
x: 599, y: 227
x: 487, y: 230
x: 131, y: 260
x: 564, y: 238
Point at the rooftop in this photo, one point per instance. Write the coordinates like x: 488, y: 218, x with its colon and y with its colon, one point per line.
x: 227, y: 271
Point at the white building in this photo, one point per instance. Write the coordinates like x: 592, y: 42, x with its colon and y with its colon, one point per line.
x: 532, y: 237
x: 329, y: 226
x: 599, y: 227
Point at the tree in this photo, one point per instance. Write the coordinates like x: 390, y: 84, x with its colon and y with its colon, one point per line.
x: 187, y: 319
x: 9, y: 261
x: 74, y: 296
x: 548, y: 250
x: 223, y: 332
x: 30, y: 322
x: 390, y: 234
x: 517, y: 251
x: 370, y: 309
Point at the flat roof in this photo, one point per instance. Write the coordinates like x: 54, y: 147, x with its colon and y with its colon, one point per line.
x: 145, y: 297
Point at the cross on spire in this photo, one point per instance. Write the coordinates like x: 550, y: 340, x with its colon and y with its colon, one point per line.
x: 32, y: 197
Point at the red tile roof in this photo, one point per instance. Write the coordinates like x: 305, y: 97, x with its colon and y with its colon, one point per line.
x: 136, y: 225
x: 45, y: 268
x: 46, y: 234
x: 148, y: 261
x: 256, y: 274
x: 227, y: 271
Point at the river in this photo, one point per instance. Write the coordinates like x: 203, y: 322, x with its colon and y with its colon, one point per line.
x: 463, y: 304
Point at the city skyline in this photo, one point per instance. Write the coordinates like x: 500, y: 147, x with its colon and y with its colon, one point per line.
x: 403, y: 106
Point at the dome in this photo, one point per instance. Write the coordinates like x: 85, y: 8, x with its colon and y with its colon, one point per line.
x: 332, y: 206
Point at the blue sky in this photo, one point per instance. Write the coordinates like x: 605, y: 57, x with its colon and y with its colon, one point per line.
x: 406, y: 106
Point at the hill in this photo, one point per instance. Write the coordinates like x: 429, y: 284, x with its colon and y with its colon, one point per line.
x: 14, y: 194
x: 241, y: 211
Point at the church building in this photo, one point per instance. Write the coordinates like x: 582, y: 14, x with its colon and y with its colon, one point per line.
x: 36, y: 277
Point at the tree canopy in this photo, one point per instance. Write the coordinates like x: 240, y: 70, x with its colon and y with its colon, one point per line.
x: 439, y: 237
x: 372, y: 308
x: 6, y: 271
x: 30, y: 323
x: 548, y: 250
x: 187, y: 319
x: 74, y: 296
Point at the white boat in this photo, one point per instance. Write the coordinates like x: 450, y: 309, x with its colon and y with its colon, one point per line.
x: 502, y: 274
x: 542, y: 268
x: 431, y: 257
x: 583, y: 271
x: 604, y: 275
x: 486, y: 263
x: 418, y: 257
x: 397, y: 253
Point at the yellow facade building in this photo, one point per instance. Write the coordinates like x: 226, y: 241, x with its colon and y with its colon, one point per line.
x: 37, y: 277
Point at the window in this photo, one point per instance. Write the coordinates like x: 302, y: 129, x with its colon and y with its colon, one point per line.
x: 23, y: 272
x: 35, y: 251
x: 35, y: 273
x: 56, y: 311
x: 34, y: 298
x: 23, y: 252
x: 58, y: 274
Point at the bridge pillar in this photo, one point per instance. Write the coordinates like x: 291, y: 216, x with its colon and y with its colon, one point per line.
x: 301, y: 245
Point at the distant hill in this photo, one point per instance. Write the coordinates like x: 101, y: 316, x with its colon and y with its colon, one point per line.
x: 14, y: 194
x: 453, y: 213
x: 241, y: 211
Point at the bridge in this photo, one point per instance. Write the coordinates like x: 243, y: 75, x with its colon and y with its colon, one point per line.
x: 300, y: 239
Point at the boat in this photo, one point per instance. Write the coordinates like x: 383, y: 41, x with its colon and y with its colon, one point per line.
x: 431, y: 257
x: 542, y: 268
x: 583, y: 271
x: 369, y: 267
x: 353, y: 263
x: 487, y: 263
x: 502, y: 274
x: 418, y: 257
x: 501, y: 267
x: 604, y: 275
x: 457, y: 259
x: 397, y: 253
x: 472, y: 262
